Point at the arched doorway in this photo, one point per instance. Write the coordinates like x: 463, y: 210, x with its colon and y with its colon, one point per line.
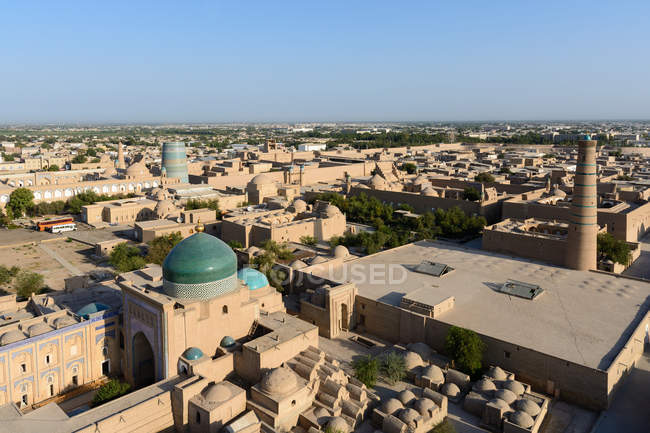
x: 144, y: 372
x: 344, y: 317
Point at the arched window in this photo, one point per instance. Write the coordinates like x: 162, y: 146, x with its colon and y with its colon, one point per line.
x: 225, y: 309
x: 105, y: 351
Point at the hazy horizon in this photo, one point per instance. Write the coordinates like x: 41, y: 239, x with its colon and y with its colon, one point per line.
x: 291, y: 62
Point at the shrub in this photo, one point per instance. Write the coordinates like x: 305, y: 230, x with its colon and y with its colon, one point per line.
x: 471, y: 194
x: 8, y: 274
x: 393, y: 367
x: 409, y: 167
x: 160, y: 246
x: 308, y: 240
x: 466, y: 349
x: 126, y: 258
x: 613, y: 249
x: 28, y: 282
x: 484, y: 178
x: 444, y: 427
x: 366, y: 369
x: 110, y: 391
x: 235, y: 244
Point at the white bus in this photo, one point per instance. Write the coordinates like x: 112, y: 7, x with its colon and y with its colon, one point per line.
x: 63, y: 228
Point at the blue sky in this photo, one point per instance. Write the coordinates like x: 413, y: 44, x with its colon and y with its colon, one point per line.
x: 274, y: 60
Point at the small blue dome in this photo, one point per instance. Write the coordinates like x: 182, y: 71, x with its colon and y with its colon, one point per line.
x: 93, y: 307
x: 587, y: 137
x: 227, y: 341
x: 192, y: 353
x: 254, y: 279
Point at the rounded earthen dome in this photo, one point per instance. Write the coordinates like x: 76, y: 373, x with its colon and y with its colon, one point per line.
x: 528, y: 406
x: 38, y: 329
x: 261, y: 179
x: 321, y: 413
x: 429, y: 192
x: 421, y: 349
x: 280, y: 380
x: 318, y: 260
x: 300, y: 206
x: 412, y: 360
x: 391, y: 406
x: 514, y: 386
x: 406, y: 396
x: 216, y: 393
x: 11, y: 337
x: 340, y: 252
x: 434, y: 373
x: 407, y: 416
x: 522, y: 419
x: 505, y: 395
x: 423, y: 405
x: 338, y: 424
x: 64, y: 321
x: 497, y: 373
x: 297, y: 264
x: 137, y: 170
x: 332, y: 210
x: 484, y: 385
x: 500, y: 404
x: 450, y: 390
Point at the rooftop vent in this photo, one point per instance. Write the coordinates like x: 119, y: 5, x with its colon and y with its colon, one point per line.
x: 521, y: 289
x: 433, y: 268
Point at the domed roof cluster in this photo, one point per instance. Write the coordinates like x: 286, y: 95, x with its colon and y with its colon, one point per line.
x: 200, y: 267
x: 331, y: 211
x: 528, y: 406
x: 408, y: 416
x: 338, y: 424
x: 164, y: 208
x: 253, y: 278
x: 279, y: 381
x: 423, y: 405
x: 62, y: 322
x: 391, y: 406
x: 522, y: 419
x: 505, y: 395
x: 451, y: 390
x: 406, y: 397
x: 497, y: 373
x: 514, y: 386
x: 421, y: 349
x: 430, y: 192
x: 484, y: 385
x: 299, y: 206
x: 38, y: 329
x: 434, y: 373
x: 377, y: 182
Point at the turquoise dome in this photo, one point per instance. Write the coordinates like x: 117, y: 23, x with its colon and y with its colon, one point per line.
x: 254, y: 279
x: 192, y: 353
x: 227, y: 341
x: 201, y: 266
x: 93, y: 307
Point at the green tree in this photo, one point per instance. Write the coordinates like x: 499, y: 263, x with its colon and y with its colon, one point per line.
x: 366, y: 369
x: 472, y: 194
x: 8, y: 157
x: 235, y: 244
x: 28, y: 282
x: 484, y: 177
x: 613, y: 249
x: 79, y: 159
x: 409, y: 167
x: 393, y: 367
x: 466, y: 349
x: 5, y: 219
x: 505, y: 170
x: 91, y: 152
x: 110, y: 391
x: 160, y: 246
x: 308, y: 240
x: 202, y: 204
x: 20, y: 200
x: 126, y: 258
x: 53, y: 167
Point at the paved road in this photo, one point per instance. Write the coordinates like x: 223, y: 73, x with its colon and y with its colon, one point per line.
x: 641, y: 267
x: 66, y: 264
x: 630, y: 410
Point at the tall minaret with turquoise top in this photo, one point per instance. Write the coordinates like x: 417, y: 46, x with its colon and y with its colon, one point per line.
x: 583, y: 218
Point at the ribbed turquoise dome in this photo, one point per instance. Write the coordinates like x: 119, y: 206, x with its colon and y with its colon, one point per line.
x: 192, y: 266
x: 93, y: 307
x: 227, y: 341
x: 192, y: 353
x: 254, y: 279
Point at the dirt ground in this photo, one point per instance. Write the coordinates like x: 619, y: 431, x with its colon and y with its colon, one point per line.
x: 74, y: 258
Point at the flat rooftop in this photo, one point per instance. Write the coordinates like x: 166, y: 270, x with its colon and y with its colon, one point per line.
x: 583, y: 317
